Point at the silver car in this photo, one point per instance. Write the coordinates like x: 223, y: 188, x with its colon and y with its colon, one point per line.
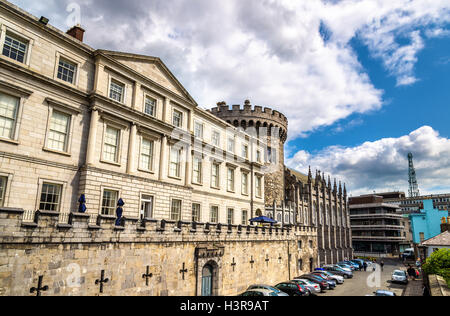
x: 260, y: 292
x: 267, y: 287
x: 313, y: 288
x: 338, y: 278
x: 399, y: 276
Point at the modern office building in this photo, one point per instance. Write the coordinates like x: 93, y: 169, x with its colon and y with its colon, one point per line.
x: 376, y: 226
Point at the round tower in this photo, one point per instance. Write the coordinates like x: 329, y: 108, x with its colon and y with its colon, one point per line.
x: 271, y: 125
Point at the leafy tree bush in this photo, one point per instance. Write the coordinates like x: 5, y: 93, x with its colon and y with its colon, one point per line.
x: 439, y: 263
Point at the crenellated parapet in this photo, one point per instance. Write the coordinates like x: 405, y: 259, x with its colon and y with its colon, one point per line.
x: 85, y: 228
x: 248, y: 116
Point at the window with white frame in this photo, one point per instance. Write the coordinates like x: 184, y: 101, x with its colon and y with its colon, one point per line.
x: 214, y: 215
x: 9, y: 107
x: 58, y: 131
x: 109, y: 202
x: 216, y: 138
x: 150, y: 106
x: 175, y: 210
x: 231, y: 144
x: 196, y: 208
x: 230, y: 179
x: 198, y: 130
x: 15, y: 48
x: 258, y: 156
x: 146, y: 206
x: 66, y: 70
x: 147, y: 150
x: 177, y: 118
x: 111, y: 144
x: 50, y: 197
x: 244, y: 217
x: 244, y: 151
x: 244, y: 178
x: 197, y: 170
x: 117, y: 91
x: 175, y: 162
x: 230, y: 216
x: 215, y: 175
x: 3, y: 183
x: 258, y: 185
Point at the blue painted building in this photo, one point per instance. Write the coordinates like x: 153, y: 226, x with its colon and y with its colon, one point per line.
x: 427, y: 223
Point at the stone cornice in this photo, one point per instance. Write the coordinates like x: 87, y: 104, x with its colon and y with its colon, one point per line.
x: 38, y: 161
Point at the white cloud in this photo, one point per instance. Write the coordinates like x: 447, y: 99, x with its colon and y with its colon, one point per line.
x: 383, y: 165
x: 271, y: 51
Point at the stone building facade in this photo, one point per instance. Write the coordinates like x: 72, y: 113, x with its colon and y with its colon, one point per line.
x: 78, y: 122
x: 293, y: 198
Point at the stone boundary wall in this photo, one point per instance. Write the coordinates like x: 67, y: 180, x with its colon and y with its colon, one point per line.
x: 70, y: 258
x: 438, y: 286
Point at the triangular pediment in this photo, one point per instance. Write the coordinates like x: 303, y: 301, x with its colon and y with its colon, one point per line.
x: 152, y: 68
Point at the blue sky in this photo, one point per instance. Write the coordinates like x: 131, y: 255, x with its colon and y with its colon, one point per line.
x: 362, y: 82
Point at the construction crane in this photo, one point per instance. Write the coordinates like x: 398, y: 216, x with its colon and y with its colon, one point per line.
x: 413, y: 186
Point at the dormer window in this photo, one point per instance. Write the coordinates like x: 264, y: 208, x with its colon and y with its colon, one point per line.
x: 15, y: 48
x: 116, y: 91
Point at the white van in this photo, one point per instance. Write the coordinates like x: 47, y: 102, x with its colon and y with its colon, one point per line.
x: 409, y: 253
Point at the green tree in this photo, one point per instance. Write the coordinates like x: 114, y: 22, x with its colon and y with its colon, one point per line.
x: 439, y: 263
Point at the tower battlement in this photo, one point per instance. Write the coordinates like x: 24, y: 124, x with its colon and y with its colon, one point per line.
x: 252, y: 116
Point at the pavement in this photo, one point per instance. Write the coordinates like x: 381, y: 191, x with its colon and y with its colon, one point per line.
x: 365, y: 283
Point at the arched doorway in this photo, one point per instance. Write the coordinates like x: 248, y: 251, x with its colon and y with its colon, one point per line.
x: 207, y: 280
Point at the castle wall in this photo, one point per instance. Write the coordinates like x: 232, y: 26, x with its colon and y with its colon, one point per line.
x: 70, y: 258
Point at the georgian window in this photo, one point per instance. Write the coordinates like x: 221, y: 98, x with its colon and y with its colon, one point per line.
x: 230, y: 180
x: 231, y: 144
x: 175, y: 210
x: 197, y: 171
x: 244, y: 217
x: 66, y: 71
x: 258, y: 185
x: 245, y: 151
x: 214, y: 215
x: 230, y: 216
x: 109, y: 202
x: 15, y: 48
x: 146, y: 206
x: 244, y: 178
x: 3, y: 183
x: 58, y: 131
x: 216, y: 138
x: 9, y: 107
x: 198, y: 130
x: 117, y: 91
x: 215, y: 175
x: 111, y: 144
x: 177, y: 118
x: 50, y: 197
x: 196, y: 212
x: 175, y: 162
x: 147, y: 150
x: 258, y: 156
x: 150, y: 106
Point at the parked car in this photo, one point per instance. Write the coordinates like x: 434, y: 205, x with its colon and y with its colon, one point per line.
x: 338, y: 278
x: 346, y: 267
x: 292, y: 289
x: 324, y: 276
x: 399, y: 276
x: 353, y: 266
x: 313, y: 288
x: 409, y: 254
x: 259, y: 292
x: 359, y: 262
x: 267, y: 287
x: 339, y: 271
x: 324, y: 285
x: 383, y: 293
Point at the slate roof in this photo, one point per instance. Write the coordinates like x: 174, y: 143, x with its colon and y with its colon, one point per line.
x: 440, y: 240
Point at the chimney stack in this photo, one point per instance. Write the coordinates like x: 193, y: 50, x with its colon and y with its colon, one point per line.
x: 77, y: 31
